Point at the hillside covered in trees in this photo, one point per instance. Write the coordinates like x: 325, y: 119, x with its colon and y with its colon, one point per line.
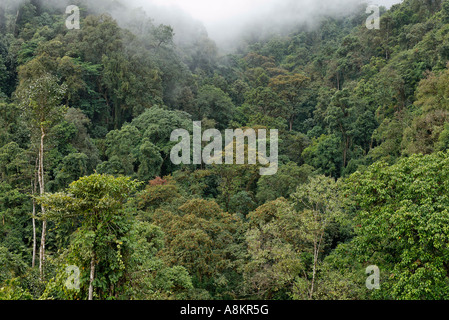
x: 88, y: 189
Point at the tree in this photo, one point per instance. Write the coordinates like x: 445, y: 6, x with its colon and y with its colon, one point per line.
x: 203, y: 239
x: 229, y: 186
x: 319, y: 206
x: 40, y: 100
x: 288, y: 87
x: 71, y: 169
x: 283, y: 183
x: 98, y: 201
x: 99, y: 37
x: 264, y: 100
x: 149, y: 277
x: 142, y: 148
x: 150, y: 161
x: 131, y: 84
x: 213, y: 103
x: 324, y: 154
x: 340, y: 117
x: 158, y: 192
x: 339, y: 277
x: 400, y: 224
x: 163, y: 35
x: 433, y: 113
x: 121, y: 150
x: 273, y: 246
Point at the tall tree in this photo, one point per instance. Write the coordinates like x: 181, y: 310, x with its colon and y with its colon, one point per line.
x: 318, y: 202
x: 40, y: 100
x: 98, y: 201
x: 288, y: 88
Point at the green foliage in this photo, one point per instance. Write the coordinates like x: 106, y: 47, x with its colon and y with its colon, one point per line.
x: 284, y: 183
x: 340, y: 277
x: 213, y: 103
x: 150, y: 278
x: 40, y: 101
x: 102, y: 236
x: 207, y: 245
x: 142, y: 149
x: 14, y: 215
x: 12, y: 266
x: 157, y: 193
x: 325, y: 154
x: 401, y: 224
x: 274, y: 243
x: 347, y: 101
x: 72, y: 167
x: 13, y: 291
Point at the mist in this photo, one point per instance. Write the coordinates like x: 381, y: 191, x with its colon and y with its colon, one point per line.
x: 226, y: 22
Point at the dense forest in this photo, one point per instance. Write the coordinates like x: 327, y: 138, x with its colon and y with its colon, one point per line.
x: 88, y: 189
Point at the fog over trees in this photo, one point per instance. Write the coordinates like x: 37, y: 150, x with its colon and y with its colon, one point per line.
x: 92, y: 207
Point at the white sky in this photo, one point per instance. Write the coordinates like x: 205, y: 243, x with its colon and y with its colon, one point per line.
x: 209, y: 11
x: 215, y: 11
x: 225, y: 20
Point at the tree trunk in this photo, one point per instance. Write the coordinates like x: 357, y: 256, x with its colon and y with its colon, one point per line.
x: 346, y: 145
x: 33, y: 191
x: 315, y: 258
x: 41, y: 192
x: 34, y: 235
x: 316, y: 251
x: 92, y: 277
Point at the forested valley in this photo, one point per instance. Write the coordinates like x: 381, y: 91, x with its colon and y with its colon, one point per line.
x: 88, y: 189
